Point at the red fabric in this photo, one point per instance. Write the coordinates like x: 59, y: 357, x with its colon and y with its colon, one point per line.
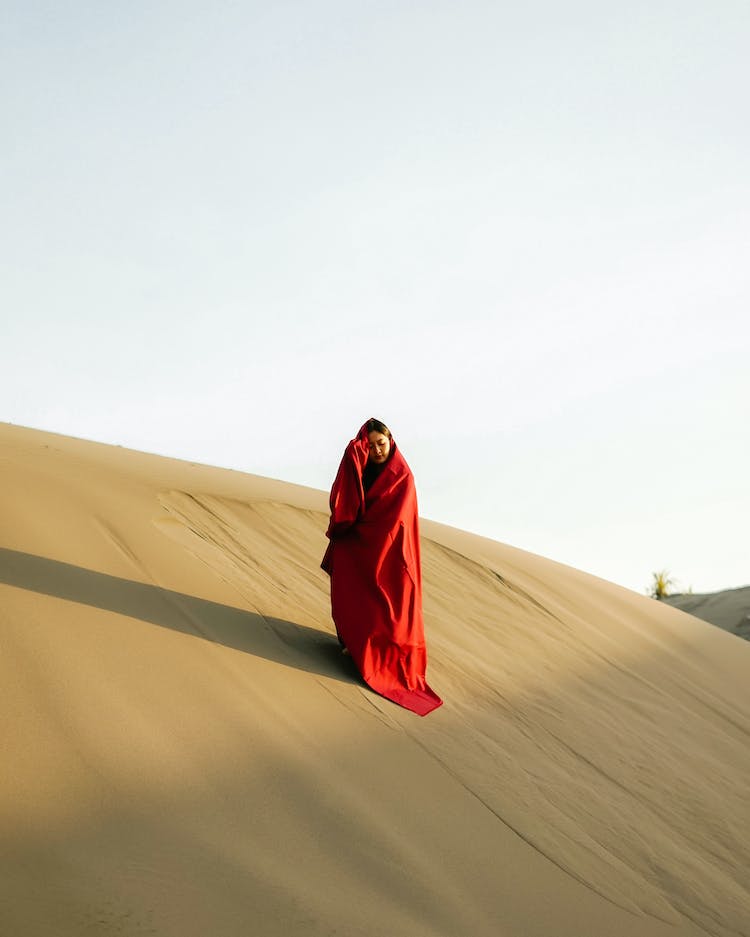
x: 373, y: 560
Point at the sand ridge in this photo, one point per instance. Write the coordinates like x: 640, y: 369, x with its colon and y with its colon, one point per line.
x: 190, y: 754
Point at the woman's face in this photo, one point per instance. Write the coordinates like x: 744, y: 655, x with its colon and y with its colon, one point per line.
x: 380, y: 446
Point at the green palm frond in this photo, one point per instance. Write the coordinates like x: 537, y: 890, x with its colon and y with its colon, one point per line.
x: 661, y: 584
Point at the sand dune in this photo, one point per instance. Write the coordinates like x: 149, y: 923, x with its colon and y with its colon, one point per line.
x: 728, y: 609
x: 187, y: 753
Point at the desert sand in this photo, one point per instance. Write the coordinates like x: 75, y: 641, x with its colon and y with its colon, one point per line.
x: 728, y: 609
x: 186, y: 752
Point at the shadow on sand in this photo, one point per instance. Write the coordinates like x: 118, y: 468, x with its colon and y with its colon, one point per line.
x: 285, y: 642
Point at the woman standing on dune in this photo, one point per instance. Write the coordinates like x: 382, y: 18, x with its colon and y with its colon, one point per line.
x: 373, y: 559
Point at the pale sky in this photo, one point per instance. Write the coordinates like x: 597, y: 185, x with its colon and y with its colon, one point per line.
x: 517, y: 233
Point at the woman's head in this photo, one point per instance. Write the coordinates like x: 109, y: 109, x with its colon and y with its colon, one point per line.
x: 379, y: 438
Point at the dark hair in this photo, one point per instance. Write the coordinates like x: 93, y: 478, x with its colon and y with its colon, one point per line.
x: 375, y: 426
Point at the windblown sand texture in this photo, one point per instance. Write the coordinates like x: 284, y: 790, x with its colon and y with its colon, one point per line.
x: 186, y: 752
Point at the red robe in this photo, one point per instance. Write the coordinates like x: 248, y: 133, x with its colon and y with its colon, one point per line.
x: 373, y: 560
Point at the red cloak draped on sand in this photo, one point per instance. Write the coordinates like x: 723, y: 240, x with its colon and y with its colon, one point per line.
x: 373, y: 560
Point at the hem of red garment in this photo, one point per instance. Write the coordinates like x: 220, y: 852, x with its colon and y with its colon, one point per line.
x: 421, y: 702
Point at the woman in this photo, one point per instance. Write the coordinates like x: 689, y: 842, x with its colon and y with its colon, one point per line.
x: 373, y: 560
